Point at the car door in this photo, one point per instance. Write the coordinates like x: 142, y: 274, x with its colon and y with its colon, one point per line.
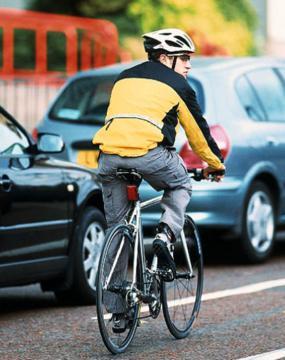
x: 33, y: 202
x: 270, y: 90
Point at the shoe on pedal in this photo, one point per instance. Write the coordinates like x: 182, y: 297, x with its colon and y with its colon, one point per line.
x: 122, y: 321
x: 119, y: 323
x: 163, y: 248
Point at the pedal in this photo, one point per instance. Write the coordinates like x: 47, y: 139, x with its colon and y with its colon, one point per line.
x: 165, y: 274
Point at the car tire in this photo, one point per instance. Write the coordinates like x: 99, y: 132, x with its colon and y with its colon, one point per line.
x: 85, y: 253
x: 258, y: 224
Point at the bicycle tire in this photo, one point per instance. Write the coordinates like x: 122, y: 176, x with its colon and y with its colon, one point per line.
x: 181, y: 298
x: 116, y: 343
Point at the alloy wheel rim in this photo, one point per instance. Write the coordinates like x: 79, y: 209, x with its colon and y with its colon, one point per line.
x: 260, y: 221
x: 92, y: 245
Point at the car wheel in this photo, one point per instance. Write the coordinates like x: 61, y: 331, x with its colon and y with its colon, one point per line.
x: 85, y: 255
x: 258, y: 227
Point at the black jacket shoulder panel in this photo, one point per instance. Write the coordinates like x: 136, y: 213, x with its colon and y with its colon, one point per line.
x: 156, y: 71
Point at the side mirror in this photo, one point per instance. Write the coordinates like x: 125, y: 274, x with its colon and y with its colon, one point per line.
x: 50, y: 143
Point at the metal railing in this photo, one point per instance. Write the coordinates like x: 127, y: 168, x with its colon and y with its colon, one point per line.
x: 26, y: 92
x: 28, y: 99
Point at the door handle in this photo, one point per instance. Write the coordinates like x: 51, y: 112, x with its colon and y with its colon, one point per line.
x: 5, y: 183
x: 272, y: 141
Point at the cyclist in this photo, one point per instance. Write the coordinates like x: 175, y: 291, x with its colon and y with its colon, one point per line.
x: 148, y: 103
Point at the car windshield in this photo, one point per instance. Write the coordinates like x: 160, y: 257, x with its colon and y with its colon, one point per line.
x: 87, y: 99
x: 84, y: 100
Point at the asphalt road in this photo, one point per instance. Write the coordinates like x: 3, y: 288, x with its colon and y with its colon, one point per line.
x: 231, y: 325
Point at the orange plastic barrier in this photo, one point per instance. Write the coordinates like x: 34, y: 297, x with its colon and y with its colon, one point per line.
x: 99, y: 45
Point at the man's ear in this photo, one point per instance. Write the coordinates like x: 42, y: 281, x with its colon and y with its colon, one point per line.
x: 163, y: 58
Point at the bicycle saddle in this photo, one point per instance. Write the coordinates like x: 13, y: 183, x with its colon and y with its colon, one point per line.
x: 132, y: 176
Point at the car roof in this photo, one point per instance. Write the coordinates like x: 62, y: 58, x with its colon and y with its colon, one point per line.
x: 225, y: 62
x: 199, y: 64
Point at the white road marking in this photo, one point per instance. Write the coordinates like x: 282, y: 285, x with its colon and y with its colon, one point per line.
x: 272, y: 355
x: 247, y: 289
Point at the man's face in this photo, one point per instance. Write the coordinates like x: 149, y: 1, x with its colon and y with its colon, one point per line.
x: 182, y: 65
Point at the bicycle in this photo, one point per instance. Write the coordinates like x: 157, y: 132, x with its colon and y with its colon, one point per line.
x: 179, y: 296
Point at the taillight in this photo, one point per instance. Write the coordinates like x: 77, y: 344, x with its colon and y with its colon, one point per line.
x: 191, y: 160
x: 35, y: 134
x: 132, y: 192
x: 222, y: 139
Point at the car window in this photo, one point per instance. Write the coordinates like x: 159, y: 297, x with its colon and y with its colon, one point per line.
x: 84, y: 99
x: 249, y: 100
x: 87, y: 100
x: 13, y: 140
x: 197, y: 87
x: 271, y: 93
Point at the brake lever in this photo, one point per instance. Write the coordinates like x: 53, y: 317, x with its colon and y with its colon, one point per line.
x: 198, y: 174
x: 213, y: 176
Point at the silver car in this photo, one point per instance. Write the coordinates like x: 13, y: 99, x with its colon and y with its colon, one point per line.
x: 243, y: 100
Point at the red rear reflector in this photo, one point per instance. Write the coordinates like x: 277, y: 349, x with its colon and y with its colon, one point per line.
x: 35, y: 134
x: 132, y: 192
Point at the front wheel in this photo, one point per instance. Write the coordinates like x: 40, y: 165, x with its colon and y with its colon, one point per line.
x: 114, y: 291
x: 181, y: 298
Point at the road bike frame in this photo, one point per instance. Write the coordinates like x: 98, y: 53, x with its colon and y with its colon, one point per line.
x: 134, y: 219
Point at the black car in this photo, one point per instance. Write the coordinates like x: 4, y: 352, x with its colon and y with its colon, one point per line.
x: 51, y: 216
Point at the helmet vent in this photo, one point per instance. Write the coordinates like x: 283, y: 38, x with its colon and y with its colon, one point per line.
x: 153, y: 42
x: 182, y: 39
x: 172, y: 43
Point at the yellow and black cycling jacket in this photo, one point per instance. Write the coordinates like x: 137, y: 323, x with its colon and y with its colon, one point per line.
x: 148, y: 101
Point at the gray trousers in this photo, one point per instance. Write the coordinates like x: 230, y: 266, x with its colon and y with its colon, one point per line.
x: 164, y: 170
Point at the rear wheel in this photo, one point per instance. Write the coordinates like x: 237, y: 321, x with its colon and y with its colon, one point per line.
x: 258, y: 228
x: 181, y: 298
x: 114, y: 294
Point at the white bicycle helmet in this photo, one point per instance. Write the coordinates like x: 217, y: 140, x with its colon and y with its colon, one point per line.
x: 172, y: 41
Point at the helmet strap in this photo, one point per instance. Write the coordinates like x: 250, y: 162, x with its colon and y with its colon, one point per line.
x: 174, y: 62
